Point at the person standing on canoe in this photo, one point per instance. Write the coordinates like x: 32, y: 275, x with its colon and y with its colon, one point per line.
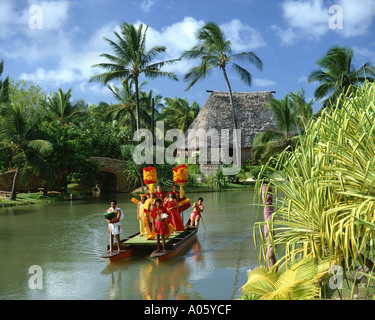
x: 114, y: 225
x: 173, y: 210
x: 196, y: 214
x: 141, y: 215
x: 159, y: 223
x: 148, y: 207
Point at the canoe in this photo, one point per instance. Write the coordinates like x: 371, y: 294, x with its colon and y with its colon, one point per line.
x: 135, y: 244
x: 126, y: 251
x: 177, y: 246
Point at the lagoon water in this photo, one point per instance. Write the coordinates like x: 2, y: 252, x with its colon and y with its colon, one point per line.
x: 65, y: 240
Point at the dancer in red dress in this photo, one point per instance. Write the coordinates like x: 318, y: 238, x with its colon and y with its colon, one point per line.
x: 159, y: 223
x: 173, y: 210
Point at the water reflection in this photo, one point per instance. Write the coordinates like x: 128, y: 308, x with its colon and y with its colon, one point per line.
x: 157, y: 281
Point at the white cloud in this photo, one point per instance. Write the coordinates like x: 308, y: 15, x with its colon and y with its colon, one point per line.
x: 146, y: 5
x: 263, y: 82
x: 242, y: 37
x: 309, y: 19
x: 74, y: 63
x: 357, y: 16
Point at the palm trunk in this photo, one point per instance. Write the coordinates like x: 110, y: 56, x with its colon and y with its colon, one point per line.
x: 13, y: 194
x: 235, y: 138
x: 137, y: 104
x: 153, y: 120
x: 230, y: 98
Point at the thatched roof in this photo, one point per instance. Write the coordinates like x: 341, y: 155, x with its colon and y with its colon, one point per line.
x: 251, y: 114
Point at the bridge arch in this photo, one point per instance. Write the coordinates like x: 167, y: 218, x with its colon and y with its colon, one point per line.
x: 110, y: 176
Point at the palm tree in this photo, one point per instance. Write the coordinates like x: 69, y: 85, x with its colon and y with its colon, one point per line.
x: 60, y: 108
x: 274, y: 141
x: 302, y: 110
x: 178, y: 113
x: 150, y: 104
x: 213, y: 51
x: 131, y: 59
x: 124, y: 110
x: 336, y: 74
x: 4, y: 85
x: 18, y: 134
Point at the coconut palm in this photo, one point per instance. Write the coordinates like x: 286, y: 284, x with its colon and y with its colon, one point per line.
x: 18, y: 135
x: 213, y: 51
x: 302, y: 110
x: 283, y: 136
x: 178, y: 113
x: 125, y: 110
x: 337, y: 73
x: 60, y: 108
x: 131, y: 59
x: 150, y: 104
x: 4, y: 85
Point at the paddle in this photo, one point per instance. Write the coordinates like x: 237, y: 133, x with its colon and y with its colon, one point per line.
x: 203, y: 223
x: 110, y: 240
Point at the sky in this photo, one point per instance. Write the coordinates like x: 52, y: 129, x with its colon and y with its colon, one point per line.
x: 55, y: 43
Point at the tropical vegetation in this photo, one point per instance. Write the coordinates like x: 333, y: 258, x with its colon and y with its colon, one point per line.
x: 324, y: 191
x: 336, y: 74
x: 131, y: 59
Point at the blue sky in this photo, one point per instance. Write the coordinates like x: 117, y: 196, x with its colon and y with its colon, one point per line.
x: 289, y: 36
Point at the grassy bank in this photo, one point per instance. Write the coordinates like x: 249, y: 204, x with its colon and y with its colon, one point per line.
x: 30, y: 198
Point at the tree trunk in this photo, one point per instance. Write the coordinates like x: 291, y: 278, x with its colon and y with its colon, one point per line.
x: 152, y: 120
x: 137, y: 104
x: 13, y: 194
x: 238, y: 161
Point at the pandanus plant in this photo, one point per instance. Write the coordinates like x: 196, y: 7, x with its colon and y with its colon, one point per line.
x: 325, y: 190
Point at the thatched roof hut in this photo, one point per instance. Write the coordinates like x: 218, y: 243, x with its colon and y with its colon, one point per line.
x: 251, y: 115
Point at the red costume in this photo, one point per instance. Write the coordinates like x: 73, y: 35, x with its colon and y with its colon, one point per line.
x: 174, y: 214
x: 161, y: 226
x: 161, y: 195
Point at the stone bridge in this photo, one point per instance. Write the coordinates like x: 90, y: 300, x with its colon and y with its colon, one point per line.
x: 110, y: 176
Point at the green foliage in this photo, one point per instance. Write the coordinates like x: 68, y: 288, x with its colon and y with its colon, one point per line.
x: 337, y: 74
x: 30, y: 95
x: 4, y: 85
x: 101, y: 138
x: 289, y: 114
x: 131, y: 60
x: 19, y: 136
x: 327, y: 202
x: 214, y: 50
x: 71, y: 157
x: 298, y: 282
x: 178, y: 114
x: 60, y: 109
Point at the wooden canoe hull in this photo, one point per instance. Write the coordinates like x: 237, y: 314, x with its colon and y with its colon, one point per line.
x: 177, y: 248
x: 131, y: 246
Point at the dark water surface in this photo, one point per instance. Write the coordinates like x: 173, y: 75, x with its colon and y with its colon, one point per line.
x: 65, y: 240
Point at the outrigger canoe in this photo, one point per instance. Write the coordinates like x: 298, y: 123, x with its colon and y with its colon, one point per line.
x: 135, y: 244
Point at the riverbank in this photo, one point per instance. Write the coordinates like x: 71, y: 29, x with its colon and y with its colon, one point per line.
x: 36, y: 198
